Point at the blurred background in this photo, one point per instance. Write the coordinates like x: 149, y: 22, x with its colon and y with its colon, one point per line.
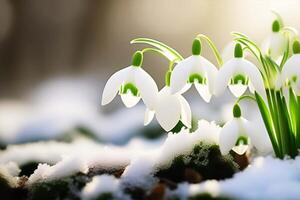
x: 42, y: 39
x: 74, y: 40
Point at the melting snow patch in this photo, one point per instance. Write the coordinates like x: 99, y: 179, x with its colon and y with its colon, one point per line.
x: 266, y: 178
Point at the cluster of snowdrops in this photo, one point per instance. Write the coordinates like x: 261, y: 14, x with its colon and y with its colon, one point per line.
x: 273, y: 81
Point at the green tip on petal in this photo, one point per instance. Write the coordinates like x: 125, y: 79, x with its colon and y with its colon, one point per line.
x: 237, y: 111
x: 137, y: 59
x: 242, y: 140
x: 196, y: 48
x: 168, y: 78
x: 238, y: 51
x: 296, y: 47
x: 276, y: 26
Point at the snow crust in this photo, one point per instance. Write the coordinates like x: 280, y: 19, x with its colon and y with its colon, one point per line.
x: 265, y: 178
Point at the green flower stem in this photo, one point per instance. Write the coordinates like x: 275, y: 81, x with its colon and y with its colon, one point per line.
x: 155, y: 51
x: 250, y: 97
x: 213, y: 48
x: 169, y: 52
x: 278, y: 18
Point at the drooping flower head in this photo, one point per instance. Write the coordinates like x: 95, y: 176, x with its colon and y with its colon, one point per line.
x: 169, y: 110
x: 291, y: 69
x: 133, y: 84
x: 239, y: 74
x: 236, y: 133
x: 194, y: 70
x: 276, y: 43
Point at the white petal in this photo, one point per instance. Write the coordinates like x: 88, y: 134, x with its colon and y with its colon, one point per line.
x: 203, y: 90
x: 129, y: 99
x: 211, y: 72
x: 185, y: 88
x: 228, y: 136
x: 186, y: 113
x: 147, y: 87
x: 181, y: 74
x: 259, y: 137
x: 255, y: 76
x: 149, y: 114
x: 240, y: 149
x: 291, y: 67
x: 168, y: 111
x: 113, y: 85
x: 224, y: 75
x: 237, y: 89
x: 277, y: 45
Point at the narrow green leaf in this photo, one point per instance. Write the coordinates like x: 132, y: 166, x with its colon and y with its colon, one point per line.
x: 293, y: 109
x: 268, y: 123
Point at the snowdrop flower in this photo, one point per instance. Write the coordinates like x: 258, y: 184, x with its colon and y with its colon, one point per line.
x: 275, y: 45
x: 235, y: 132
x: 132, y: 83
x: 239, y: 74
x: 291, y: 69
x: 169, y: 109
x: 194, y: 70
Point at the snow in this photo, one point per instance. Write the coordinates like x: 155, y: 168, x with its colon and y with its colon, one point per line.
x: 55, y: 108
x: 265, y: 178
x: 99, y: 185
x: 10, y: 172
x: 207, y: 132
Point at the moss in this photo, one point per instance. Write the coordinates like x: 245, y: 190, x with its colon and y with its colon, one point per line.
x: 65, y: 188
x: 9, y: 193
x: 204, y: 159
x: 105, y: 196
x: 207, y: 196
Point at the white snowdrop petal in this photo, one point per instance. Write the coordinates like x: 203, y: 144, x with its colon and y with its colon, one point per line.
x: 147, y: 87
x: 185, y: 88
x: 129, y: 99
x: 224, y: 75
x: 149, y: 114
x: 203, y: 90
x: 211, y: 73
x: 180, y: 74
x: 228, y: 136
x: 255, y: 76
x: 291, y: 67
x: 168, y: 112
x: 186, y: 113
x: 259, y: 137
x: 237, y: 89
x: 277, y: 45
x: 113, y: 85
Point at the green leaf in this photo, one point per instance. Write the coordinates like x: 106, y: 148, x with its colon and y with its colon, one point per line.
x: 169, y: 52
x: 293, y: 109
x: 268, y: 122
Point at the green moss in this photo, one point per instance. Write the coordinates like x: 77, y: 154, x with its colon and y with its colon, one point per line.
x: 65, y: 188
x: 9, y: 193
x: 205, y: 159
x: 207, y: 196
x: 105, y: 196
